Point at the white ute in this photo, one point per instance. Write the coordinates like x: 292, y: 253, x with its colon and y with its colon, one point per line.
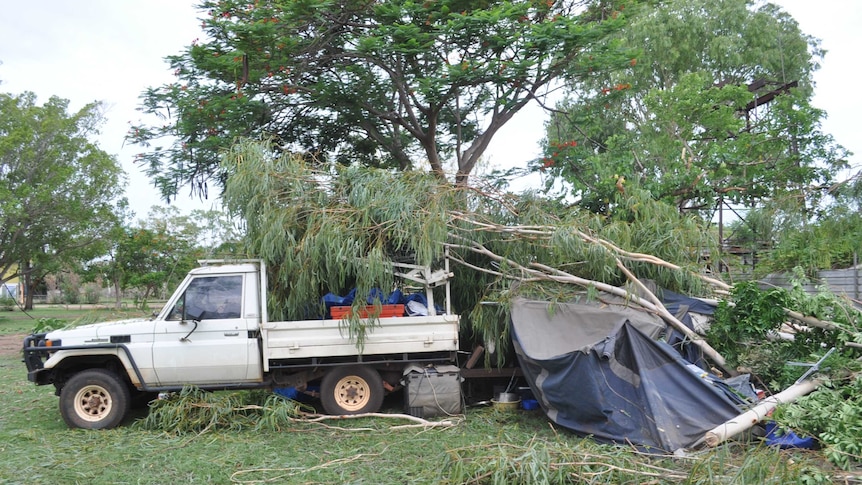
x: 213, y: 333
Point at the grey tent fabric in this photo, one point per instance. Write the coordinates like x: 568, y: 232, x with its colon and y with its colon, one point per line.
x: 576, y: 326
x: 598, y: 370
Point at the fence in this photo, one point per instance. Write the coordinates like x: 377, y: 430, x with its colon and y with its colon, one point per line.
x: 844, y: 282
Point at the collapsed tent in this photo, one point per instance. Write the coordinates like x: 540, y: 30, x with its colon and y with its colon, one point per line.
x: 599, y: 369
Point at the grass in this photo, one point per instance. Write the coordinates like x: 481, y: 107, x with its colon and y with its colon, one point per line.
x: 488, y: 446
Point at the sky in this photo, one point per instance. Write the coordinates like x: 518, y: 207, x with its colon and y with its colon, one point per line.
x: 112, y: 50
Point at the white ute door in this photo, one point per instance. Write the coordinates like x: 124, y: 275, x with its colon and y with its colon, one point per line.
x: 204, y: 339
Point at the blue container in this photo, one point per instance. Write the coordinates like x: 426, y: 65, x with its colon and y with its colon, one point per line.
x: 526, y: 393
x: 529, y: 404
x: 293, y: 394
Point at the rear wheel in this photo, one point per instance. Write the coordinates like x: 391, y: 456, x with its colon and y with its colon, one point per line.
x: 94, y: 399
x: 351, y: 390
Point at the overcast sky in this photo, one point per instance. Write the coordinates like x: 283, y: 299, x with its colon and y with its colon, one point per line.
x: 112, y: 50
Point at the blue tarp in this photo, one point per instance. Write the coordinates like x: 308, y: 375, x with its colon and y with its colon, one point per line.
x: 786, y: 439
x: 599, y: 370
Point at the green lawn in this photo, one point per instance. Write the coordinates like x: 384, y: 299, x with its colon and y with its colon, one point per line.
x: 487, y: 446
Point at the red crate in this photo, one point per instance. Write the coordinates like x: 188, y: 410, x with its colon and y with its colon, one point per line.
x: 339, y: 312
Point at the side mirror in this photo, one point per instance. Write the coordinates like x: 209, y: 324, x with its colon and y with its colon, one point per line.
x: 196, y: 321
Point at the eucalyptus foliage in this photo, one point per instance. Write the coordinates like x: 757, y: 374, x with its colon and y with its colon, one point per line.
x: 324, y: 233
x: 328, y: 228
x: 195, y: 411
x: 566, y: 460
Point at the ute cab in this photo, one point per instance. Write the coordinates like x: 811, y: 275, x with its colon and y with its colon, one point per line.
x: 216, y: 311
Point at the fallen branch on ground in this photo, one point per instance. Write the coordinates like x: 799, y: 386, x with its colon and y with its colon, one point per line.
x: 419, y: 422
x: 292, y: 471
x: 758, y: 413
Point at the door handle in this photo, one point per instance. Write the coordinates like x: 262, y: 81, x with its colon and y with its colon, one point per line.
x: 231, y: 334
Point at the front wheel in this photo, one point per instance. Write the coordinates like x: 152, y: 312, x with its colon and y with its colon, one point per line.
x: 351, y: 390
x: 94, y: 399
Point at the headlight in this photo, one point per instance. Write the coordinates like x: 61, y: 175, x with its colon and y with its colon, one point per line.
x: 53, y: 343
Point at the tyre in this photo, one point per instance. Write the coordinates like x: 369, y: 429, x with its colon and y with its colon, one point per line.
x: 94, y: 399
x: 351, y: 390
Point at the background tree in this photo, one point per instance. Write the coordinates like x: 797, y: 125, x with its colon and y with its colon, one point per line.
x: 832, y: 241
x: 106, y: 268
x: 153, y: 254
x: 157, y: 253
x: 716, y: 107
x: 389, y: 83
x: 57, y: 188
x: 216, y: 233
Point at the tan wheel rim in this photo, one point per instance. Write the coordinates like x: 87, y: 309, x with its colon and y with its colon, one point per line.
x: 93, y: 403
x: 352, y: 393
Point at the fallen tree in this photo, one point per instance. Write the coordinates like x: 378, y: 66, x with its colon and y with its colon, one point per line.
x: 331, y: 228
x: 323, y: 228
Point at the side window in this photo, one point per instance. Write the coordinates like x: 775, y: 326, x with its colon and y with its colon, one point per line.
x: 210, y: 298
x: 177, y: 311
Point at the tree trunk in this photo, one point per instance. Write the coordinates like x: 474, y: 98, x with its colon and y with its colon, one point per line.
x: 757, y: 413
x: 118, y: 295
x: 29, y: 287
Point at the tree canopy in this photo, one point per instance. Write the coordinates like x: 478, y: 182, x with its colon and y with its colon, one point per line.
x: 388, y: 83
x: 716, y: 107
x: 57, y: 188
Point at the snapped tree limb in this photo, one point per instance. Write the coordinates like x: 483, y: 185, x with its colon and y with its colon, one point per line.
x: 758, y: 413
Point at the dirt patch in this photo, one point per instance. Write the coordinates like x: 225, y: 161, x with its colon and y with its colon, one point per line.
x: 11, y: 344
